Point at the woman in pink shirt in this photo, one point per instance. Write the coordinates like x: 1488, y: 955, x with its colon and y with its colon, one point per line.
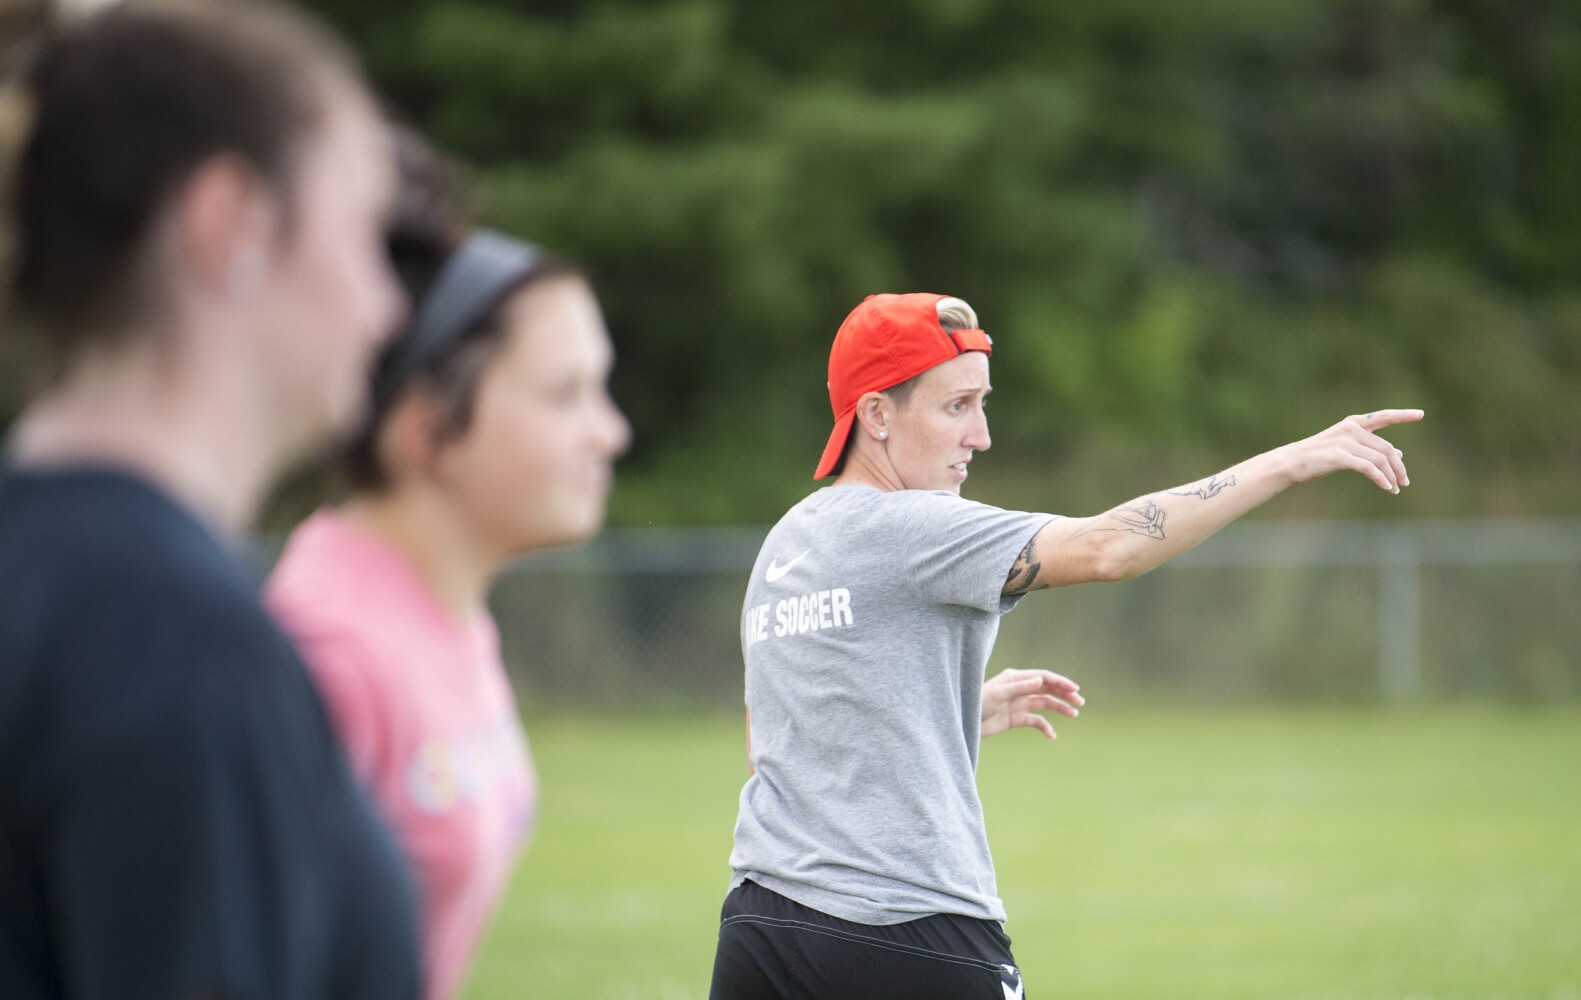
x: 491, y: 434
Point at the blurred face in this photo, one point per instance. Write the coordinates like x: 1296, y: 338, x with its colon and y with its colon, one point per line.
x: 332, y: 297
x: 534, y: 467
x: 933, y: 434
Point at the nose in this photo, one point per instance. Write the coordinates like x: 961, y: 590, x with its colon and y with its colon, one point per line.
x: 614, y: 428
x: 977, y: 437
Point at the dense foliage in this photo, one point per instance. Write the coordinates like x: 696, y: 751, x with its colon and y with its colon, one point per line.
x: 1195, y: 229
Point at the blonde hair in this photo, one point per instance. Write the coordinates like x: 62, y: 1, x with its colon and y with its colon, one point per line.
x: 955, y: 314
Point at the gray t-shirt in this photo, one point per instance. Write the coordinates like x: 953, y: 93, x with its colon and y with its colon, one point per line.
x: 867, y: 627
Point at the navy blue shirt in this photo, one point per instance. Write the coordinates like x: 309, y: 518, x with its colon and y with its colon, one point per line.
x: 176, y: 817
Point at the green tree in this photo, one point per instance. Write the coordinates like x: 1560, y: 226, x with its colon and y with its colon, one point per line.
x: 1195, y: 230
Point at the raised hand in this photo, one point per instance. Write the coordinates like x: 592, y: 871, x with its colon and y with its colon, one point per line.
x: 1353, y: 443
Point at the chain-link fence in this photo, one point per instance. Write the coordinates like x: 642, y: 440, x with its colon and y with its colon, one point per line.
x: 1265, y: 611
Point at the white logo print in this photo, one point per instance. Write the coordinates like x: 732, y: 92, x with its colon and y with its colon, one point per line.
x: 1011, y: 977
x: 775, y: 570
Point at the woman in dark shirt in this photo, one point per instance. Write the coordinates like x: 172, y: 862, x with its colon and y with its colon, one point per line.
x: 196, y: 209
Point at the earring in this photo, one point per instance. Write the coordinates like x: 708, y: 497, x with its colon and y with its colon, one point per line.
x: 882, y: 435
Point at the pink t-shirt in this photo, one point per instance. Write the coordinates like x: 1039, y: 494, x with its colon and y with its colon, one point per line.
x: 427, y: 718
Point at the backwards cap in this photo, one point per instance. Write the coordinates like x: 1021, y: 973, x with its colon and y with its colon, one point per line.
x: 882, y: 343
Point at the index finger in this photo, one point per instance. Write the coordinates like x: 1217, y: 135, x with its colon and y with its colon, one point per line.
x: 1058, y: 682
x: 1384, y: 418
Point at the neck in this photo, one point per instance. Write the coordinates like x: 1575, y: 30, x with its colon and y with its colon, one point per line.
x: 202, y: 442
x: 420, y: 524
x: 865, y: 469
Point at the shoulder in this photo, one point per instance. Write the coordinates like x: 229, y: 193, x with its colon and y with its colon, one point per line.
x: 179, y: 637
x: 907, y: 518
x: 93, y: 522
x: 345, y: 599
x: 138, y: 598
x: 860, y: 504
x: 117, y: 598
x: 130, y: 572
x: 336, y: 580
x: 943, y: 502
x: 319, y: 560
x: 924, y: 513
x: 185, y: 666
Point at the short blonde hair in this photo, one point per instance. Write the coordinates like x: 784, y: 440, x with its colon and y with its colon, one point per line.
x: 955, y: 314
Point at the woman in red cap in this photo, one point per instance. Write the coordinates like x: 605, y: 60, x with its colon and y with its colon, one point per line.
x: 861, y: 866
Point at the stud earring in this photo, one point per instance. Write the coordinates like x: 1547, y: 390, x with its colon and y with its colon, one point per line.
x: 882, y: 435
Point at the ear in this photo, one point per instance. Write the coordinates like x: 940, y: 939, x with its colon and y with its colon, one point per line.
x: 226, y: 219
x: 874, y: 412
x: 409, y: 441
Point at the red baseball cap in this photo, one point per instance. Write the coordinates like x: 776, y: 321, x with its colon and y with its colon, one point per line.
x: 885, y: 341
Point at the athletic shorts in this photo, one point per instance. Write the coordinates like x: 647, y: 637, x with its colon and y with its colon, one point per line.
x: 772, y: 948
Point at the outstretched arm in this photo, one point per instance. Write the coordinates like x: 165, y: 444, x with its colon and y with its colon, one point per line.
x: 1151, y: 530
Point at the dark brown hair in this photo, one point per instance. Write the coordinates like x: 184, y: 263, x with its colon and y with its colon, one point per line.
x: 126, y: 104
x: 426, y: 231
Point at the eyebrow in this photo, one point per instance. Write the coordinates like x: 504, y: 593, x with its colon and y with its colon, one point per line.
x: 971, y: 390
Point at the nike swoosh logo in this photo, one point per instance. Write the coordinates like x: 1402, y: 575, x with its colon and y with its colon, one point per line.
x: 775, y: 570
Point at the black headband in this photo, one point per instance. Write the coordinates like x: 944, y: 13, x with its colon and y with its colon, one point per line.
x: 484, y: 269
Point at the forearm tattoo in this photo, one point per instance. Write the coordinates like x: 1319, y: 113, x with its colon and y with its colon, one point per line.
x: 1024, y: 573
x: 1139, y: 517
x: 1146, y: 518
x: 1208, y: 488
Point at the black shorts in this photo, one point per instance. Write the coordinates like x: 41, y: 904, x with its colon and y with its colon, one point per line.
x: 772, y: 948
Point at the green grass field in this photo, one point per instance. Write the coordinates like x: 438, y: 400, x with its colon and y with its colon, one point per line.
x: 1245, y: 854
